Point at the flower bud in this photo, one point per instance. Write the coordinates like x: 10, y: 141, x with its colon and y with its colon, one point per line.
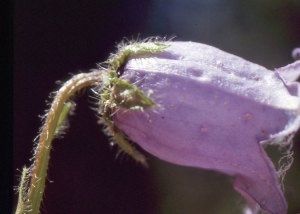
x: 214, y: 110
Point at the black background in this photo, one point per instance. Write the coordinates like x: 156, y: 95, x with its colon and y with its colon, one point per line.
x: 55, y: 38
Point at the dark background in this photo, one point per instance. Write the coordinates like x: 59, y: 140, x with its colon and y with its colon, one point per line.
x: 55, y: 38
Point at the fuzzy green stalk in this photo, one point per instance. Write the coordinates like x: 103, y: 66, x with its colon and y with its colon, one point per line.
x: 63, y: 115
x: 21, y: 207
x: 41, y: 158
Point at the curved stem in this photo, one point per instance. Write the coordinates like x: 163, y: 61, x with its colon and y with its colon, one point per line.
x: 38, y: 170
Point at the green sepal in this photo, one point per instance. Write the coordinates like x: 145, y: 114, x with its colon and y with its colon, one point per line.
x: 128, y: 96
x: 134, y: 49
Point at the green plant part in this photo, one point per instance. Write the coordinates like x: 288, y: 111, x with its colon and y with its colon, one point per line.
x: 63, y: 115
x: 119, y: 138
x: 127, y: 51
x: 32, y: 183
x: 128, y: 96
x: 121, y: 94
x: 23, y: 205
x: 114, y: 94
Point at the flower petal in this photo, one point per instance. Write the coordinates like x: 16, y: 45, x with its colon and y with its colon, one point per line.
x: 290, y: 72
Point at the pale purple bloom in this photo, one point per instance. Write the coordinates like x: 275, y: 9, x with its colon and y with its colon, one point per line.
x: 296, y: 53
x: 214, y: 110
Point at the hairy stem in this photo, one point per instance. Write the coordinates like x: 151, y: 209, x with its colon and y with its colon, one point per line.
x: 21, y: 207
x: 38, y: 170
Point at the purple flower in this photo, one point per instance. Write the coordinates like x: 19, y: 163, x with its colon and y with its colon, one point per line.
x: 214, y: 110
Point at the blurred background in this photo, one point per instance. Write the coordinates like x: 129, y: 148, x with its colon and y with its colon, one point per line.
x: 54, y: 39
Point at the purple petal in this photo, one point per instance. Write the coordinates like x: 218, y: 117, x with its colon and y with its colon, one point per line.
x: 214, y: 110
x: 290, y: 72
x: 296, y: 53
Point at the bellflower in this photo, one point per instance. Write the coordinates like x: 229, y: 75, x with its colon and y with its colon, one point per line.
x: 187, y: 103
x: 214, y: 110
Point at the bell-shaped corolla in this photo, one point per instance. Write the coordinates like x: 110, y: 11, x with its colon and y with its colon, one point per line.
x: 214, y: 110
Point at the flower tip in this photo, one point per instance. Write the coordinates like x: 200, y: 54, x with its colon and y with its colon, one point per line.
x: 296, y: 54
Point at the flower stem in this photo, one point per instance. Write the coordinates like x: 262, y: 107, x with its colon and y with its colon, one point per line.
x: 38, y: 170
